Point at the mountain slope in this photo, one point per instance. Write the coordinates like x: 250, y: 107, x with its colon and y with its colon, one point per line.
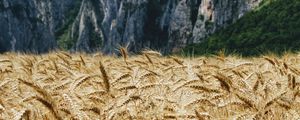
x: 272, y: 28
x: 92, y: 25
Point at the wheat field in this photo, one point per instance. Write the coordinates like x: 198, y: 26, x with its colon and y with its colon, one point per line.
x: 148, y: 86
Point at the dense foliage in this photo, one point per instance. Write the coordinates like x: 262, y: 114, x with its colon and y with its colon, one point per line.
x: 274, y: 27
x: 64, y: 40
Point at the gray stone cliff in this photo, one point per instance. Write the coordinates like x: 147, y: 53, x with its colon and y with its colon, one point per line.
x: 165, y: 25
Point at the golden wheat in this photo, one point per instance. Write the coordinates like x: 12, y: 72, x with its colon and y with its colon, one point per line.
x: 148, y: 86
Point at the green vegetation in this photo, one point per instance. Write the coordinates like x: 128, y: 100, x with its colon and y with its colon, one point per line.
x: 64, y: 40
x: 95, y: 39
x: 274, y: 28
x: 63, y: 35
x: 264, y: 3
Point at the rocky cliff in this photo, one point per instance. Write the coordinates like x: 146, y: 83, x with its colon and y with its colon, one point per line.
x: 29, y: 25
x: 89, y: 25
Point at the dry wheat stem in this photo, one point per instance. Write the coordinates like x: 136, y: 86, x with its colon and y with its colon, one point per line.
x: 149, y: 86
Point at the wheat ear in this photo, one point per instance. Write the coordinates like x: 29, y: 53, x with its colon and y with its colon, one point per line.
x: 124, y: 53
x: 105, y: 77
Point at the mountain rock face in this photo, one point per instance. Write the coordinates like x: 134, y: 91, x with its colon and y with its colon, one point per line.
x: 87, y: 25
x: 29, y: 25
x: 165, y: 25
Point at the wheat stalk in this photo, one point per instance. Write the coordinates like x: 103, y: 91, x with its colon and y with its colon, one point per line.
x: 270, y: 60
x: 225, y: 82
x: 47, y: 100
x: 180, y: 62
x: 105, y: 77
x: 149, y: 52
x: 124, y: 53
x: 206, y: 89
x: 23, y: 114
x: 249, y: 102
x: 76, y: 83
x: 199, y: 116
x: 82, y: 60
x: 122, y: 77
x: 148, y: 58
x: 60, y: 87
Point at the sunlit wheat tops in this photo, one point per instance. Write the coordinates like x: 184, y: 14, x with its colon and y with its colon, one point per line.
x: 148, y: 86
